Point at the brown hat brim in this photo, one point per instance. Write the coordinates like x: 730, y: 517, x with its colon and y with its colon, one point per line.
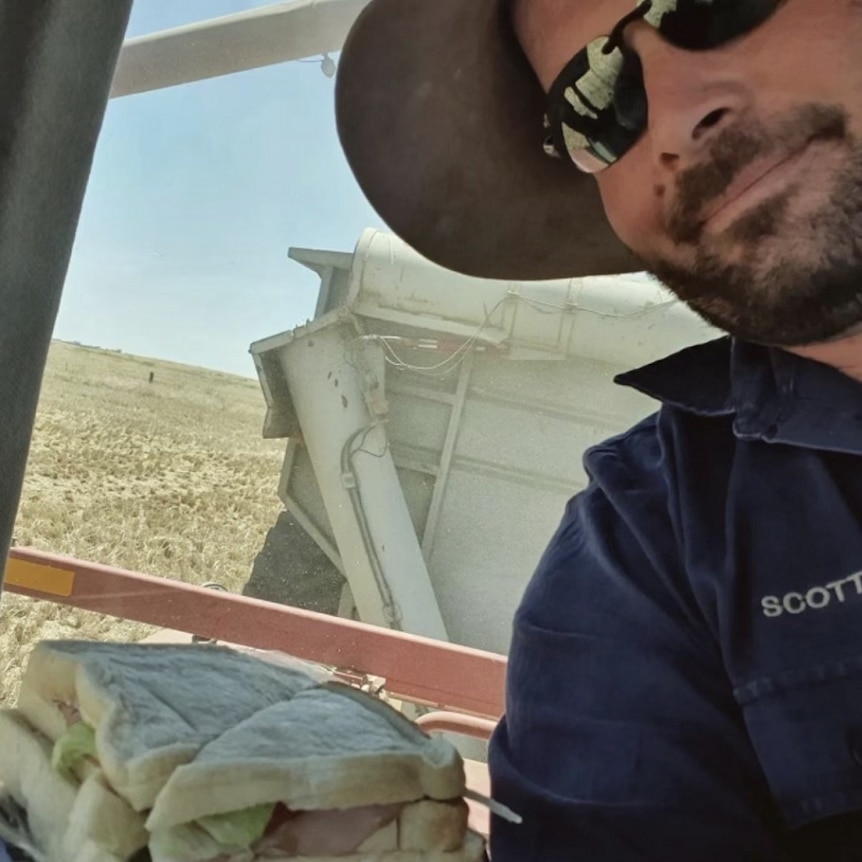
x: 440, y: 117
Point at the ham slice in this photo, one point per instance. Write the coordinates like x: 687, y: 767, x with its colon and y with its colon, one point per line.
x: 323, y: 833
x: 71, y: 713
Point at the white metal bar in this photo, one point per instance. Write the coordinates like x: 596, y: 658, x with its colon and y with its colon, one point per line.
x: 332, y: 384
x: 234, y: 43
x: 446, y: 456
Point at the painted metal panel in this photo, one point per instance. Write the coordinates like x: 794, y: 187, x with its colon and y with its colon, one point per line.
x: 502, y: 454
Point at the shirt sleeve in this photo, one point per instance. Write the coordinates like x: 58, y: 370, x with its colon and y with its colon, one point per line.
x: 621, y: 739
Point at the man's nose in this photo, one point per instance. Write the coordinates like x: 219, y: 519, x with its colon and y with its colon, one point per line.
x: 692, y: 96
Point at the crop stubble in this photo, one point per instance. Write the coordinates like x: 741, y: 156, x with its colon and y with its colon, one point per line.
x: 171, y: 478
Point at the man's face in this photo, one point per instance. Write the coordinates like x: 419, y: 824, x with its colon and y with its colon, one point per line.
x: 744, y: 194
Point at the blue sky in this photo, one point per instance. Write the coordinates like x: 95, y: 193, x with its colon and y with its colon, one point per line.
x: 196, y: 194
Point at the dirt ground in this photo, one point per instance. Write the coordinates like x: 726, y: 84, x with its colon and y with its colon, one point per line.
x: 170, y: 478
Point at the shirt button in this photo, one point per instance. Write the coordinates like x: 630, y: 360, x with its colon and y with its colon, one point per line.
x: 854, y: 743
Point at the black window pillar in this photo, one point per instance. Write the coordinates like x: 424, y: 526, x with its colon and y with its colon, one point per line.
x: 56, y: 63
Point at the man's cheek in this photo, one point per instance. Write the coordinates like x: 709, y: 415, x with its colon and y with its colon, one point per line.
x: 634, y: 215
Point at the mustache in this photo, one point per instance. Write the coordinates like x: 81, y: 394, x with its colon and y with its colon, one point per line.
x: 734, y: 149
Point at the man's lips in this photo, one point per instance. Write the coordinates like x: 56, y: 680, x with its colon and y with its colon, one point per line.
x: 760, y: 172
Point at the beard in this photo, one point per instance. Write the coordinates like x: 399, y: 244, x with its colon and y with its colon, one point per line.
x: 772, y: 277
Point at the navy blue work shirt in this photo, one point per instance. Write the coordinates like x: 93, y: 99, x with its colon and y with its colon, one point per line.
x: 685, y: 675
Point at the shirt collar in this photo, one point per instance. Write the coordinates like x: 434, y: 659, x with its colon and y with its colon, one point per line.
x: 772, y: 395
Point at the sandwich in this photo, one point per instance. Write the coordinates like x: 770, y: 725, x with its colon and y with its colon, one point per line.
x: 99, y: 728
x: 330, y: 774
x: 195, y: 752
x: 142, y: 710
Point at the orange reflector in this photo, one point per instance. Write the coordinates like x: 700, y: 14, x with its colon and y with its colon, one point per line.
x: 40, y: 578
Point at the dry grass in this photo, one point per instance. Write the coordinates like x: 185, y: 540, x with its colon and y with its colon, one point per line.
x: 170, y: 478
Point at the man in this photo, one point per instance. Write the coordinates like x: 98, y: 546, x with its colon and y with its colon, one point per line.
x: 685, y: 674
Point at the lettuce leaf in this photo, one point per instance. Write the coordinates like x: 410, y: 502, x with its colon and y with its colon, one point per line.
x: 73, y: 748
x: 222, y: 835
x: 186, y: 843
x: 239, y: 828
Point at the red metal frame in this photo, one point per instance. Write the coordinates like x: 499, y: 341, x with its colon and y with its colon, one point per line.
x: 417, y: 669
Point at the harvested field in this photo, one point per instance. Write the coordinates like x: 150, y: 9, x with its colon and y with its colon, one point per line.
x: 170, y: 478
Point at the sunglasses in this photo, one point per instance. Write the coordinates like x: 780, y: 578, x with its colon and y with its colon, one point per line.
x: 597, y: 107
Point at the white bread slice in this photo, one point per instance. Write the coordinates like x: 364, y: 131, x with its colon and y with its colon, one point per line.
x: 102, y: 818
x: 383, y: 840
x: 93, y: 852
x: 27, y: 775
x: 153, y: 706
x: 472, y: 850
x: 422, y: 826
x: 329, y: 747
x: 429, y: 825
x: 49, y: 680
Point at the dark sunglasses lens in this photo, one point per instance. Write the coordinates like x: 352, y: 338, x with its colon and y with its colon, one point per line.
x: 697, y: 25
x: 608, y: 131
x: 630, y: 102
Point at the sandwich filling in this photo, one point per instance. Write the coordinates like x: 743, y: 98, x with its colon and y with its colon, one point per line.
x: 272, y: 830
x: 74, y: 749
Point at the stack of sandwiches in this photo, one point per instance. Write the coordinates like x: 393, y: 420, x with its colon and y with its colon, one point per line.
x: 190, y: 753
